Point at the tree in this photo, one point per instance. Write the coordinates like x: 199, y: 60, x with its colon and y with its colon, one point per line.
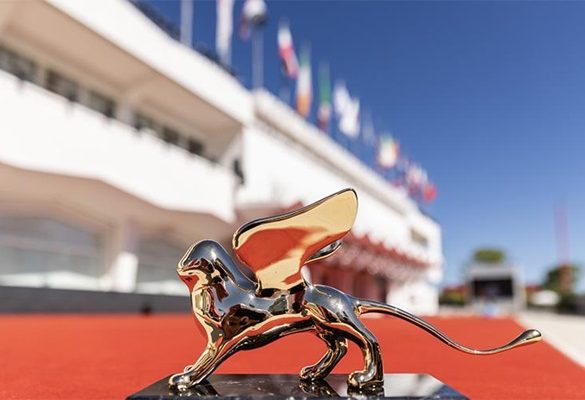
x: 489, y: 256
x: 562, y: 278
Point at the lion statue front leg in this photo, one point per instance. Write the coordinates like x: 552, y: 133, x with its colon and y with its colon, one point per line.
x: 194, y: 374
x: 213, y: 355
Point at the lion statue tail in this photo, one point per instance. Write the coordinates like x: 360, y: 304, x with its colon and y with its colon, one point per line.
x: 368, y: 306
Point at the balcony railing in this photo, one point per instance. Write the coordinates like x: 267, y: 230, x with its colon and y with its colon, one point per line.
x: 171, y: 29
x: 42, y: 131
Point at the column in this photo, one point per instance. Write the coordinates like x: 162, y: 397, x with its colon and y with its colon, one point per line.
x: 121, y: 258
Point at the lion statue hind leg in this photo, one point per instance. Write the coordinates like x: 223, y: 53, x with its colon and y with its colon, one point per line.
x: 336, y: 349
x: 335, y: 314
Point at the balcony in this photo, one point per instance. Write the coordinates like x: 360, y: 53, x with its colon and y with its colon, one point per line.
x: 144, y: 65
x: 41, y: 131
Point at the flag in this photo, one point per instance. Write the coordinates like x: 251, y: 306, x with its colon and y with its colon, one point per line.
x: 388, y: 151
x: 418, y: 183
x: 347, y: 110
x: 349, y: 124
x: 286, y: 51
x: 224, y: 28
x: 340, y: 98
x: 429, y: 193
x: 304, y: 85
x: 416, y: 178
x: 324, y: 112
x: 254, y: 14
x: 369, y: 142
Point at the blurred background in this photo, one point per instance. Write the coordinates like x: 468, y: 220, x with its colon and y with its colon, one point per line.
x: 131, y: 129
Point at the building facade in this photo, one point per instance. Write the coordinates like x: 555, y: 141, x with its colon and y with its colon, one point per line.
x: 119, y: 147
x: 495, y: 289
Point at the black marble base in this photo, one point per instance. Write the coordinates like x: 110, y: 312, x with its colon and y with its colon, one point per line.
x: 248, y: 387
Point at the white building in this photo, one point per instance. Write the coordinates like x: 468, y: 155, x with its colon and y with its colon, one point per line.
x: 119, y: 147
x: 495, y: 288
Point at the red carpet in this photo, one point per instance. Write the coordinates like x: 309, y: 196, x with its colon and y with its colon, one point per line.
x: 109, y: 356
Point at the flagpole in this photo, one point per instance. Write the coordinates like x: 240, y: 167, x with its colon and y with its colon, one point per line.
x: 187, y: 22
x: 562, y: 235
x: 257, y: 58
x: 285, y: 89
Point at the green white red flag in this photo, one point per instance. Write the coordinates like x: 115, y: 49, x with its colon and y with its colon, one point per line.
x: 304, y: 85
x: 324, y: 111
x: 388, y: 151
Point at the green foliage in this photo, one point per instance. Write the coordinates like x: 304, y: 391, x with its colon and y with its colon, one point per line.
x: 489, y: 256
x: 452, y: 299
x: 568, y: 303
x: 554, y: 277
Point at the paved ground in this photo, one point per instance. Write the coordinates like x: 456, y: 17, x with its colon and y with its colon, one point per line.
x: 565, y: 332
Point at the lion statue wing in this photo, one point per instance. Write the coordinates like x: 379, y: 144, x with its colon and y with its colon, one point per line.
x: 275, y: 248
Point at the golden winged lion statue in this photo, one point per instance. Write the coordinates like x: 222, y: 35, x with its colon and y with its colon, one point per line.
x: 239, y: 313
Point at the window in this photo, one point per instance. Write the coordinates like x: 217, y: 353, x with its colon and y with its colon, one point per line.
x: 194, y: 146
x: 143, y: 122
x: 21, y: 67
x: 42, y: 251
x: 170, y: 135
x: 157, y: 262
x: 101, y: 104
x: 61, y: 85
x: 419, y: 238
x: 492, y: 288
x: 237, y: 167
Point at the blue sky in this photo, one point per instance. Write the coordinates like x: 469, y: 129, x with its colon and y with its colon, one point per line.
x: 489, y: 97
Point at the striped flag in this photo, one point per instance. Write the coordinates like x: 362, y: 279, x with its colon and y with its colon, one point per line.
x: 418, y: 183
x: 324, y: 112
x: 388, y: 151
x: 304, y: 85
x: 416, y: 177
x: 347, y: 110
x: 286, y: 51
x: 224, y: 29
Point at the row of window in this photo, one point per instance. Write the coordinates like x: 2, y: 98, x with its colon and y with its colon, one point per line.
x: 43, y: 251
x: 28, y: 70
x: 419, y: 238
x: 169, y: 135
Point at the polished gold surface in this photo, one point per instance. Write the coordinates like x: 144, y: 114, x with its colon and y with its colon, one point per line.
x: 238, y: 313
x: 276, y: 248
